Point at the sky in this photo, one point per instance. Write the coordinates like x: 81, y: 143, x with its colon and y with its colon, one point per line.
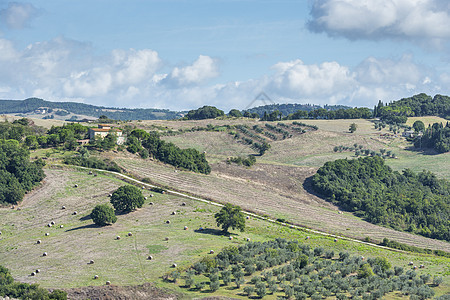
x: 183, y: 54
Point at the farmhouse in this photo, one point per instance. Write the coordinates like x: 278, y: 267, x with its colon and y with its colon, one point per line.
x: 103, y: 130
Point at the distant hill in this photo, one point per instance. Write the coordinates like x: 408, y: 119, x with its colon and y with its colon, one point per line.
x: 47, y: 109
x: 287, y: 109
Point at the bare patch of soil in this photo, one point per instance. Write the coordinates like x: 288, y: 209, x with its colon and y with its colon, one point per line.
x: 144, y: 291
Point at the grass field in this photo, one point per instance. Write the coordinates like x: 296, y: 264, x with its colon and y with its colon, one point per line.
x: 123, y: 262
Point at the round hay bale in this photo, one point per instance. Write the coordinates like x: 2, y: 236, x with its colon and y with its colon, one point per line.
x: 13, y: 207
x: 109, y: 195
x: 95, y: 175
x: 174, y: 265
x: 247, y: 217
x: 38, y: 271
x: 414, y: 268
x: 130, y: 234
x: 176, y: 171
x: 149, y: 257
x: 173, y: 213
x: 421, y: 266
x: 308, y: 237
x: 49, y: 225
x: 410, y: 263
x: 0, y: 233
x: 61, y: 226
x: 211, y: 251
x: 74, y: 213
x: 248, y: 239
x: 118, y: 237
x: 52, y: 222
x: 19, y: 208
x: 185, y: 228
x: 90, y: 173
x: 63, y: 207
x: 143, y: 187
x: 108, y: 282
x: 183, y: 204
x: 95, y: 276
x: 145, y: 197
x: 166, y: 238
x: 44, y: 254
x: 168, y: 222
x: 230, y: 238
x: 38, y: 241
x: 33, y: 274
x: 292, y: 226
x: 151, y: 203
x: 363, y: 258
x: 91, y: 262
x: 335, y: 240
x: 47, y: 234
x: 163, y: 192
x: 76, y: 185
x: 151, y: 195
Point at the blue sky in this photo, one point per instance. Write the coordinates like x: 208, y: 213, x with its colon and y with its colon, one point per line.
x: 181, y: 54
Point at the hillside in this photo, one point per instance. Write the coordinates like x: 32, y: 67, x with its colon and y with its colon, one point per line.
x: 64, y: 110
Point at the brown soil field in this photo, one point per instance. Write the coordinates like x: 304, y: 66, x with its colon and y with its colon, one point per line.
x: 273, y: 190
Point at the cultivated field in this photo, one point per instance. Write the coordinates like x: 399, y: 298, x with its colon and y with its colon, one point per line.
x: 123, y: 262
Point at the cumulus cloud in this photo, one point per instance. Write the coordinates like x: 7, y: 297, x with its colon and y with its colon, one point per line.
x: 416, y: 20
x: 65, y: 70
x: 17, y: 15
x: 203, y: 69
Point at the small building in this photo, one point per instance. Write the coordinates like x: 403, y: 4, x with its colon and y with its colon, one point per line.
x: 102, y: 131
x: 408, y: 133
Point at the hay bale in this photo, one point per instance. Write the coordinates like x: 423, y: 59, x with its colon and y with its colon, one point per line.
x: 61, y: 226
x: 76, y: 185
x: 248, y: 239
x: 38, y: 271
x: 414, y: 267
x: 363, y: 258
x: 47, y: 234
x: 118, y: 237
x: 19, y: 208
x: 0, y: 233
x: 183, y: 204
x: 335, y: 240
x: 95, y: 276
x: 173, y: 213
x: 149, y: 257
x: 174, y: 265
x: 90, y: 173
x: 151, y: 203
x: 247, y: 217
x: 33, y: 274
x: 109, y: 195
x: 230, y: 238
x: 95, y: 175
x: 166, y: 238
x: 145, y: 197
x: 410, y: 263
x: 308, y: 237
x: 151, y: 195
x: 421, y: 266
x: 185, y: 228
x: 108, y: 282
x: 130, y: 234
x: 163, y: 192
x: 168, y: 222
x: 211, y: 251
x: 74, y: 213
x: 91, y: 262
x: 63, y: 207
x: 38, y: 241
x: 143, y: 187
x: 52, y: 222
x: 49, y: 225
x: 44, y: 254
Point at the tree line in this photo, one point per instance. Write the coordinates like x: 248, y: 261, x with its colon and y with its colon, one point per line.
x: 436, y: 137
x: 418, y: 203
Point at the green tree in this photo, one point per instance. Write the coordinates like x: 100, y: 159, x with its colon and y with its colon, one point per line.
x: 103, y: 214
x: 230, y: 216
x: 352, y: 127
x: 365, y: 271
x: 235, y: 113
x: 127, y: 198
x: 419, y: 126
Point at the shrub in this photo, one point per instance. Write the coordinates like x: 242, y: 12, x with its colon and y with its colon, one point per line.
x: 103, y: 214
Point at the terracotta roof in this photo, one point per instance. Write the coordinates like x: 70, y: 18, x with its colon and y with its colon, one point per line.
x: 104, y: 130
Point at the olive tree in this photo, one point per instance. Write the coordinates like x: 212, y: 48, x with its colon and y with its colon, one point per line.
x: 127, y: 198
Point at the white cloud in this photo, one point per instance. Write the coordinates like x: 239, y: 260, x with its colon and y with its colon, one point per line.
x: 17, y: 15
x: 63, y: 70
x: 201, y: 70
x: 416, y: 20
